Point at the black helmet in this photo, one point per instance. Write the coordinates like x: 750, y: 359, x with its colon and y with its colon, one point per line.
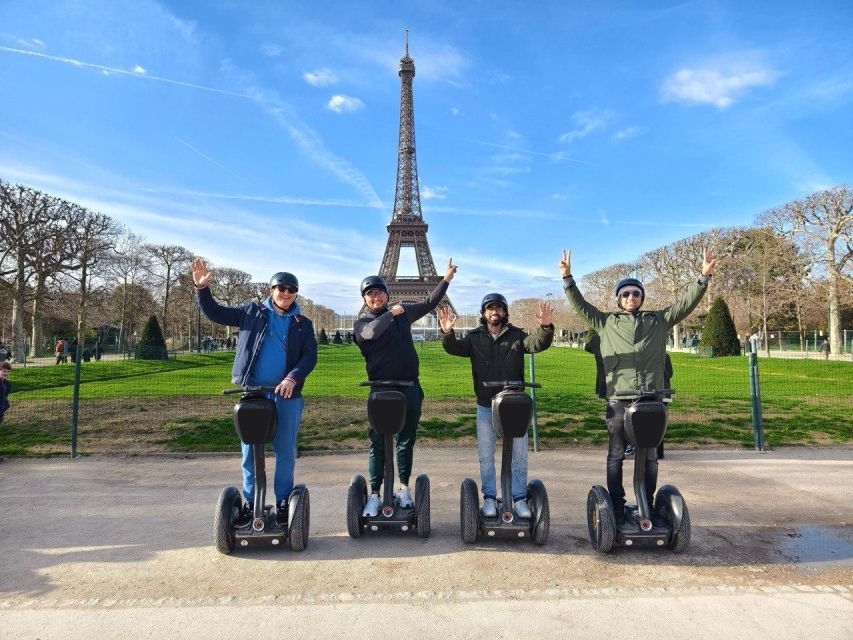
x: 284, y: 279
x: 628, y: 282
x: 373, y: 282
x: 489, y: 298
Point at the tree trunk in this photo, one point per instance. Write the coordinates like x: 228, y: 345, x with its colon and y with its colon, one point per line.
x: 18, y: 312
x: 676, y: 336
x: 36, y: 323
x: 834, y: 314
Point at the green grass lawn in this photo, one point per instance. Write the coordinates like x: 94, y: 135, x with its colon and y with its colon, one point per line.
x: 142, y: 406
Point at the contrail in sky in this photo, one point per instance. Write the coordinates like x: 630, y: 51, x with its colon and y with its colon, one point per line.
x: 125, y: 72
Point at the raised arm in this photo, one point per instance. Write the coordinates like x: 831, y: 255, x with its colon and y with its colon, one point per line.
x: 418, y: 310
x: 451, y: 345
x: 212, y: 310
x: 679, y: 310
x: 542, y: 338
x: 594, y: 317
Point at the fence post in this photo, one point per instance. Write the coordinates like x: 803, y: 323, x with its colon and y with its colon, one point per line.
x: 533, y: 396
x: 755, y: 399
x: 75, y: 403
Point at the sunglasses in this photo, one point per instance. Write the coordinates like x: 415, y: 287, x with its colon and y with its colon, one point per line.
x: 287, y: 288
x: 373, y: 293
x: 630, y: 294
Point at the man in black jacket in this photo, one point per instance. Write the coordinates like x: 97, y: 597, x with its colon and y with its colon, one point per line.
x: 497, y: 349
x: 384, y: 337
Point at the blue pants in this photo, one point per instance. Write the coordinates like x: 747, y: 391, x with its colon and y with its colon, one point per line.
x: 289, y: 415
x: 486, y: 445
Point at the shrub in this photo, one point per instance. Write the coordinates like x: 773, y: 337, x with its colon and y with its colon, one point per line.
x: 151, y: 345
x: 323, y: 338
x: 719, y: 334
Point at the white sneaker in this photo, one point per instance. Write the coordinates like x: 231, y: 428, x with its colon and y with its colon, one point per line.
x: 372, y: 507
x: 521, y: 509
x: 404, y: 497
x: 490, y: 508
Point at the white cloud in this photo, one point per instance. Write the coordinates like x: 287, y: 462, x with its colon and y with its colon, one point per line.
x: 559, y: 196
x: 320, y: 78
x: 140, y: 70
x: 272, y: 50
x: 344, y: 104
x: 586, y: 122
x: 454, y: 111
x: 712, y: 86
x: 625, y: 134
x: 433, y: 193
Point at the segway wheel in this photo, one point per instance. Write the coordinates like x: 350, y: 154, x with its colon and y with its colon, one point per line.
x: 538, y: 498
x: 469, y: 511
x: 422, y: 506
x: 600, y: 519
x: 356, y: 499
x: 668, y: 503
x: 227, y: 510
x: 301, y: 520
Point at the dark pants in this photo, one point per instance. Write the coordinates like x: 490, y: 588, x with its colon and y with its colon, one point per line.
x: 615, y: 417
x: 405, y: 441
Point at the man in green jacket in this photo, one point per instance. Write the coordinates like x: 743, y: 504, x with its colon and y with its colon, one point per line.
x: 497, y: 349
x: 633, y: 348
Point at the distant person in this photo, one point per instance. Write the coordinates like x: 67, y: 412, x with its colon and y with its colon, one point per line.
x: 73, y: 350
x: 277, y: 348
x: 60, y: 350
x: 97, y: 352
x: 824, y: 349
x: 496, y: 350
x: 633, y: 348
x: 5, y: 388
x: 384, y: 337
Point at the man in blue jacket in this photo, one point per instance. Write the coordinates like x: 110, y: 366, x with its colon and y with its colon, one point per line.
x: 276, y: 348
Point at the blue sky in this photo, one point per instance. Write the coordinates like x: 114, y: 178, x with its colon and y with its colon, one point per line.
x: 263, y: 135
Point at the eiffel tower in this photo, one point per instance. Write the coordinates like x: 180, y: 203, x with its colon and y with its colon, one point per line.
x: 407, y: 228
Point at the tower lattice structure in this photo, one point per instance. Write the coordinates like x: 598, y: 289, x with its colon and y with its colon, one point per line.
x: 407, y: 227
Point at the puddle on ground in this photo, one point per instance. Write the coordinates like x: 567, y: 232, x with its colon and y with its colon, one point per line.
x: 819, y: 547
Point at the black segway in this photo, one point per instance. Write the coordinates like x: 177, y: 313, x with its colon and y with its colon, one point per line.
x: 667, y: 522
x: 386, y: 412
x: 255, y: 423
x: 512, y: 409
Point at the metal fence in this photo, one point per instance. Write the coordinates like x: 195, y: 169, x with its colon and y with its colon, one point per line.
x: 135, y: 406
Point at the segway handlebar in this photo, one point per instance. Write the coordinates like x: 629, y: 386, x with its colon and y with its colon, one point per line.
x: 387, y: 383
x: 633, y: 394
x: 494, y: 384
x: 247, y: 389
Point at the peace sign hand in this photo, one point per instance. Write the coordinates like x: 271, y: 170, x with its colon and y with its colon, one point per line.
x: 709, y: 262
x: 566, y: 264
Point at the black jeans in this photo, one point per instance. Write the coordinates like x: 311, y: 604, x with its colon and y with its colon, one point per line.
x: 615, y: 417
x: 405, y: 445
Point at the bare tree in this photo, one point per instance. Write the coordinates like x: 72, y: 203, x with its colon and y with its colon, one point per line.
x: 129, y: 265
x: 23, y: 212
x: 168, y: 263
x: 826, y: 219
x: 53, y: 255
x: 92, y: 236
x: 231, y: 287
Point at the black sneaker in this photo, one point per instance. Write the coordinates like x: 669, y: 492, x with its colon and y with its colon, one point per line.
x: 281, y: 514
x: 244, y: 518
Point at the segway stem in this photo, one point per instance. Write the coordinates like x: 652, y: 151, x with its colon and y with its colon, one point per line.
x: 506, y: 474
x: 260, y: 480
x: 640, y: 456
x: 388, y: 483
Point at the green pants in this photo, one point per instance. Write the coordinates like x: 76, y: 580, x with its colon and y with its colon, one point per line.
x: 405, y: 441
